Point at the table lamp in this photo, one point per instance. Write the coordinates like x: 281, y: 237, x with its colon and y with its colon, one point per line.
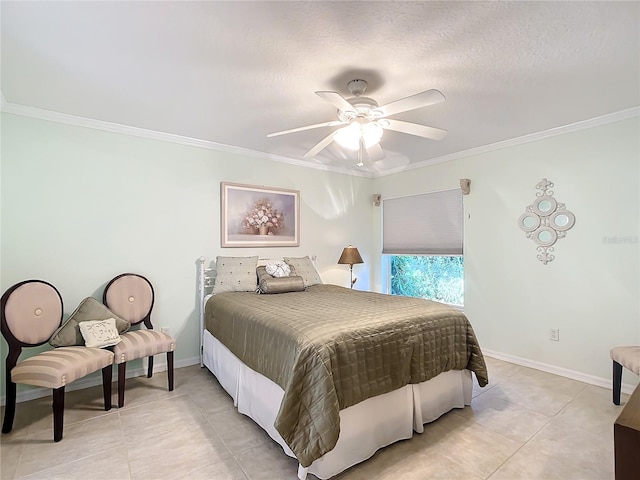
x: 350, y: 256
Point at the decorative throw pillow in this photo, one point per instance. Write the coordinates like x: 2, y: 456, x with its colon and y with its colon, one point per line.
x: 278, y: 269
x: 304, y: 267
x: 235, y: 274
x: 69, y: 334
x: 100, y: 333
x: 269, y: 284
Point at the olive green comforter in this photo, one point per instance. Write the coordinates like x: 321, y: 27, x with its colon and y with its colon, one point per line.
x: 330, y: 347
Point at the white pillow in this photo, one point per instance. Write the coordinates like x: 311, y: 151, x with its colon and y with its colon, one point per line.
x: 100, y: 333
x: 235, y: 274
x: 304, y: 268
x: 278, y: 269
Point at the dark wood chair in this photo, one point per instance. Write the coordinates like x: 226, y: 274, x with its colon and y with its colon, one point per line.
x: 627, y: 357
x: 31, y: 311
x: 131, y: 297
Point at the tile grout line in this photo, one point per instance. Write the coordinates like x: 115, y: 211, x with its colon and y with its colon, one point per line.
x: 535, y: 434
x: 213, y: 428
x: 573, y: 402
x: 550, y: 419
x: 124, y: 443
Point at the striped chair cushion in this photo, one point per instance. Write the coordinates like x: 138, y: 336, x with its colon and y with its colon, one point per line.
x: 59, y: 367
x: 142, y: 343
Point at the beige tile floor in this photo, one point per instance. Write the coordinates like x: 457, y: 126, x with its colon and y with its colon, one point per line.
x: 525, y: 424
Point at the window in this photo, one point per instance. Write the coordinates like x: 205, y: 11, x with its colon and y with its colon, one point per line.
x: 435, y: 277
x: 423, y: 237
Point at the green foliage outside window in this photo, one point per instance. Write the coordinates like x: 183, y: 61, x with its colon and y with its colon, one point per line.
x: 433, y: 277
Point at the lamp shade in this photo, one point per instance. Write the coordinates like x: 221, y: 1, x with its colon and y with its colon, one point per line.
x: 350, y: 256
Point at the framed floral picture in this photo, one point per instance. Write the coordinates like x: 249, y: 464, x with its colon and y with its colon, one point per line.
x: 253, y: 216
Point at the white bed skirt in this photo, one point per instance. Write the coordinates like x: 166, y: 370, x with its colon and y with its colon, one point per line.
x: 364, y: 428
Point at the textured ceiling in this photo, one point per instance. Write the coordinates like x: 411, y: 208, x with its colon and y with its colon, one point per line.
x: 231, y: 72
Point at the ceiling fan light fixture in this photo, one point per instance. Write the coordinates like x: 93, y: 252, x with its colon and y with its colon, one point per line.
x: 371, y: 134
x: 363, y: 121
x: 349, y: 136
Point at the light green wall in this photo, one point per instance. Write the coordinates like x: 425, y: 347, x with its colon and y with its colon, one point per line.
x: 591, y: 290
x: 80, y: 206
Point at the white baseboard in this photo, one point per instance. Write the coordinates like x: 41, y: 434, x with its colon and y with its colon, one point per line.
x: 93, y: 380
x: 563, y: 372
x: 90, y: 381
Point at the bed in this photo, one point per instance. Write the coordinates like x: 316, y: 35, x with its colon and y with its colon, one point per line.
x: 334, y: 374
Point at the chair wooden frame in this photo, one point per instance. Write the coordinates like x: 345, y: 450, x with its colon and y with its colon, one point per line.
x: 146, y: 319
x: 15, y: 349
x: 617, y: 382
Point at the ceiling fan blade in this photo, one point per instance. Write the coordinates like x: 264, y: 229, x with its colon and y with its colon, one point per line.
x: 415, y: 129
x: 320, y: 146
x: 308, y: 127
x: 375, y: 153
x: 337, y: 100
x: 430, y: 97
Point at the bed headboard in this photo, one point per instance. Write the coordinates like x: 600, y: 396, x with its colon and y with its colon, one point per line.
x: 206, y: 276
x: 205, y: 287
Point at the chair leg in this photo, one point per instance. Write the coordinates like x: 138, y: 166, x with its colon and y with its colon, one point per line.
x: 10, y: 407
x: 170, y: 370
x: 107, y: 376
x: 150, y: 368
x: 122, y: 373
x: 10, y: 402
x: 58, y: 413
x: 617, y: 382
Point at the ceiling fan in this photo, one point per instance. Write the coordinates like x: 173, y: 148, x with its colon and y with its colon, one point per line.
x: 365, y: 121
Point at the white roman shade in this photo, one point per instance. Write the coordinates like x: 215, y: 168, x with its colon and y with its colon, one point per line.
x: 426, y: 224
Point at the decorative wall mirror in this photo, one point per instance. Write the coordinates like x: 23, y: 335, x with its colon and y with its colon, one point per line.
x: 545, y: 221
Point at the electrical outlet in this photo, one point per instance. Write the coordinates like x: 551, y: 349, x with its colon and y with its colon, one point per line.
x: 554, y: 334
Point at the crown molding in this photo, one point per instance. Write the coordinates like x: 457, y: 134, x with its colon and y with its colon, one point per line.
x: 53, y: 116
x: 532, y: 137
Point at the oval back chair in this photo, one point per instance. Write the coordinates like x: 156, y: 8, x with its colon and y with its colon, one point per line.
x: 131, y: 297
x: 30, y: 312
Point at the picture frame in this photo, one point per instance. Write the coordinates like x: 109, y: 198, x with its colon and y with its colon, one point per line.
x: 258, y: 216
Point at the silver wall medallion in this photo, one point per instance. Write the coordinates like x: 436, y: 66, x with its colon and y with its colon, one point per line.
x: 545, y: 221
